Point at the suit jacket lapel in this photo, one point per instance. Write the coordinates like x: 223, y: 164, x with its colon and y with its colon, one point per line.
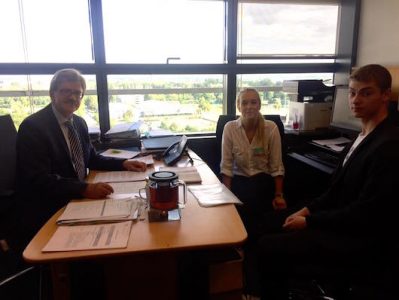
x: 360, y: 147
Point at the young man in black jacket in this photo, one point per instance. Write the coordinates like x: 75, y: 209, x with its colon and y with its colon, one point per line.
x: 354, y: 223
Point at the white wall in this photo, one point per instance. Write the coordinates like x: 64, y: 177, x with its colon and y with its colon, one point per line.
x: 379, y: 33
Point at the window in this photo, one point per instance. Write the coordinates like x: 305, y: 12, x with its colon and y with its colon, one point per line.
x: 159, y: 31
x: 273, y: 30
x: 285, y: 33
x: 167, y: 103
x: 22, y: 95
x: 174, y: 64
x: 45, y: 31
x: 270, y: 88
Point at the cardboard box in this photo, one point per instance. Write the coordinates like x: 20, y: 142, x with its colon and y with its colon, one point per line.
x: 226, y: 275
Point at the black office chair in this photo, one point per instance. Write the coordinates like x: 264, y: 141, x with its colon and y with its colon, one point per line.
x: 367, y: 281
x: 17, y: 279
x: 223, y: 119
x: 8, y: 136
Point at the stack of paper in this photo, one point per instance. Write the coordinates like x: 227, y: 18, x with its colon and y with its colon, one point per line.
x: 89, y: 237
x: 147, y: 159
x: 213, y: 194
x: 100, y: 211
x: 119, y: 153
x: 125, y: 131
x: 337, y: 144
x: 187, y: 174
x: 122, y: 176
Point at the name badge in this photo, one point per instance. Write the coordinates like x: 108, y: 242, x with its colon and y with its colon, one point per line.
x: 258, y: 151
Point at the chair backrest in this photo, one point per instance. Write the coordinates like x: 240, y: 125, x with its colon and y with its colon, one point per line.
x: 223, y: 119
x: 393, y: 112
x: 8, y: 137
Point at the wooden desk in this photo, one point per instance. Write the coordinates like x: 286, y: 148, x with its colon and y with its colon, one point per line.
x: 150, y: 244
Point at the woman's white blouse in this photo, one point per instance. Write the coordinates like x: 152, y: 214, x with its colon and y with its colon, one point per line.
x: 239, y: 157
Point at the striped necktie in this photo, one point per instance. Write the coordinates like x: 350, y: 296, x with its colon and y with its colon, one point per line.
x: 76, y: 151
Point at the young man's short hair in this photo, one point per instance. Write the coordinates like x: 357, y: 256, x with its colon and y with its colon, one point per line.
x: 373, y: 73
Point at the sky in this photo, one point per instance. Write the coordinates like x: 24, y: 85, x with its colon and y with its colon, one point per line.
x: 135, y: 32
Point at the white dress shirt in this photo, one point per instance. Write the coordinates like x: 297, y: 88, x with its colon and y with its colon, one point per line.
x: 239, y: 157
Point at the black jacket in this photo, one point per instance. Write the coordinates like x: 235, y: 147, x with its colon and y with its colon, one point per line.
x: 363, y: 198
x: 46, y: 178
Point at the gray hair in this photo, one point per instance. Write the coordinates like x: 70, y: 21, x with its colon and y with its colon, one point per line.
x: 67, y: 75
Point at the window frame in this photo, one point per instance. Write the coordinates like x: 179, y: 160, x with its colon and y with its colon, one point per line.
x: 345, y: 58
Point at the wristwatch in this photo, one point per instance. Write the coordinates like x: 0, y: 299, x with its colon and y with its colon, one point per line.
x: 281, y: 195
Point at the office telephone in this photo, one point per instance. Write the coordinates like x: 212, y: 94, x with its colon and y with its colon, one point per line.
x: 175, y: 151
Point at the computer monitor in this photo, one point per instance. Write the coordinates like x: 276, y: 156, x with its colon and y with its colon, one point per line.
x: 342, y: 117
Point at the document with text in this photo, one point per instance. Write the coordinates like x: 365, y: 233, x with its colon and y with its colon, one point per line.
x: 89, y: 237
x: 213, y: 194
x: 121, y: 208
x: 122, y: 176
x: 119, y: 153
x: 127, y: 187
x: 147, y: 159
x: 337, y: 144
x: 187, y: 174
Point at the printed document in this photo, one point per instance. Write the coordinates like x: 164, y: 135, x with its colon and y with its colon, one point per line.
x: 122, y: 207
x: 187, y: 174
x: 148, y: 159
x: 337, y: 144
x: 121, y: 176
x: 213, y: 194
x: 119, y: 153
x: 88, y: 237
x: 126, y: 187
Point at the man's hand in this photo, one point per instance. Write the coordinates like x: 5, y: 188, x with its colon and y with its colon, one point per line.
x: 134, y: 165
x: 97, y: 190
x: 304, y: 212
x: 297, y: 220
x: 295, y: 223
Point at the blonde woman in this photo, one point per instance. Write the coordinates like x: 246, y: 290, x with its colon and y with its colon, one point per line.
x: 252, y: 168
x: 251, y: 163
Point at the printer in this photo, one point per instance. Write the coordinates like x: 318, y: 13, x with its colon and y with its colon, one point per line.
x: 311, y: 103
x: 308, y: 90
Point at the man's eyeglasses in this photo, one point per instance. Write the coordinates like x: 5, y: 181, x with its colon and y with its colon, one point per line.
x: 68, y: 92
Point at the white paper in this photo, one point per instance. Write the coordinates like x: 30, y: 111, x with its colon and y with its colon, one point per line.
x: 148, y: 159
x: 213, y: 194
x: 187, y: 174
x: 83, y: 209
x: 121, y: 207
x: 120, y: 176
x: 124, y: 127
x: 126, y: 187
x: 329, y: 142
x: 119, y: 153
x: 86, y: 237
x: 118, y: 207
x: 336, y: 148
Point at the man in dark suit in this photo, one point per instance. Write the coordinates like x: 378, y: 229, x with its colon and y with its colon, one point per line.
x: 354, y: 223
x: 51, y: 167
